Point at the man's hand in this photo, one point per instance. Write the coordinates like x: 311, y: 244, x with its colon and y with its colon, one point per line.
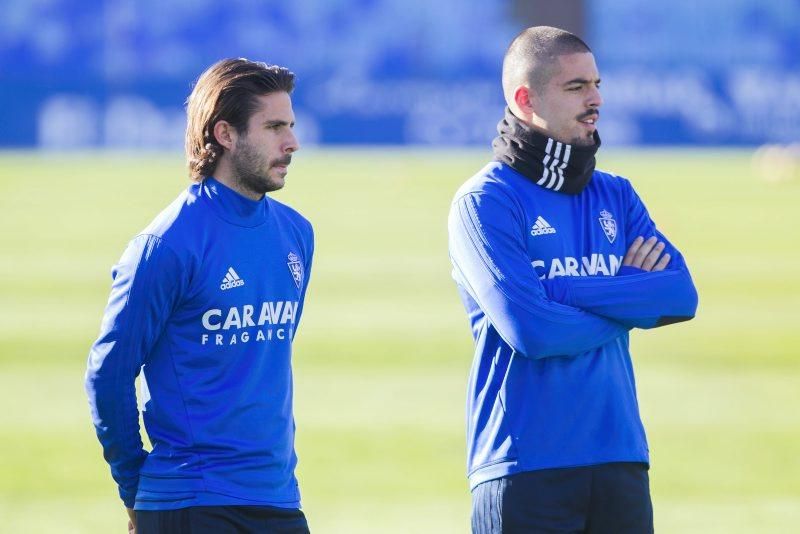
x: 131, y: 521
x: 645, y: 255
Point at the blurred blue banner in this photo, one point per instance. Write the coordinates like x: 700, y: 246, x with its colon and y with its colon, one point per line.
x: 115, y: 73
x: 711, y: 72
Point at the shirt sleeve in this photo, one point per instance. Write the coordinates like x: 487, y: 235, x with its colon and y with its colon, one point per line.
x: 146, y: 285
x: 634, y: 297
x: 490, y: 263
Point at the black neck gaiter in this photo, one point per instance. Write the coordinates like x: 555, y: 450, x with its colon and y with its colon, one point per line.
x: 549, y: 163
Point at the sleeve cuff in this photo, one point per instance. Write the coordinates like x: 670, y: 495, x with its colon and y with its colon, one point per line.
x: 128, y: 498
x: 629, y: 269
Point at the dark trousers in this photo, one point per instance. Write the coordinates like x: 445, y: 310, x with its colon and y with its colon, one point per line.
x: 600, y: 499
x: 222, y: 520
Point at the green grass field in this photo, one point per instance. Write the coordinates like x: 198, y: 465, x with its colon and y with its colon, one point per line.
x: 383, y: 352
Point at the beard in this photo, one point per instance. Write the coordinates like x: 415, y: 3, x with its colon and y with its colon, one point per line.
x: 583, y: 141
x: 587, y: 139
x: 252, y: 171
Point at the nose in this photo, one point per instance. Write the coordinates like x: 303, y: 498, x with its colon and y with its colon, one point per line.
x: 595, y: 99
x: 291, y: 144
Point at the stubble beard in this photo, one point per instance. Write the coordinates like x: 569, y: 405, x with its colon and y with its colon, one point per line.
x: 565, y: 136
x: 586, y: 140
x: 250, y: 170
x: 583, y: 141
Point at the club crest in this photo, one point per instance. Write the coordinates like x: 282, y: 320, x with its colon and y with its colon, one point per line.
x: 295, y: 268
x: 609, y: 225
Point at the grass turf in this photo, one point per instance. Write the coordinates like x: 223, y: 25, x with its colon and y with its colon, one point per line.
x: 383, y: 352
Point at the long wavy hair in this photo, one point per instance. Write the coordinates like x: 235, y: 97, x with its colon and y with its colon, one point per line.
x: 226, y: 91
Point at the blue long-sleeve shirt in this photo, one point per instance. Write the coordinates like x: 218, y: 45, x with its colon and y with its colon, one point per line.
x: 206, y: 300
x: 539, y: 273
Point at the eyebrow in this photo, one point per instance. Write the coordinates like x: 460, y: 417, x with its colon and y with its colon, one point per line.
x: 581, y: 81
x: 269, y: 124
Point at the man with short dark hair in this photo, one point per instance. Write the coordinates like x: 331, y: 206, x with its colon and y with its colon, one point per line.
x: 555, y: 262
x: 206, y: 301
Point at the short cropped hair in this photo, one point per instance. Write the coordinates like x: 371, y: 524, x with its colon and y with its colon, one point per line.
x: 532, y: 56
x: 226, y: 91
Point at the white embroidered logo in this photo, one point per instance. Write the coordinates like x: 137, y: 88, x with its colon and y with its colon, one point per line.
x: 541, y: 227
x: 295, y: 268
x: 231, y: 280
x: 609, y: 225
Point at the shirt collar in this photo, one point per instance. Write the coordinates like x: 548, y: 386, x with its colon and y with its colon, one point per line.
x: 233, y: 207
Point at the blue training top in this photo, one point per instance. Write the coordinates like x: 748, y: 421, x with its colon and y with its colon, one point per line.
x: 539, y: 273
x: 206, y: 300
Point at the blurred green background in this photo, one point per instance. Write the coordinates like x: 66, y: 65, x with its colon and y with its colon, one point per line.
x: 383, y: 352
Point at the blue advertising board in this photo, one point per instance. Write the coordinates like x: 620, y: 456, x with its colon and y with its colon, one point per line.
x: 78, y: 74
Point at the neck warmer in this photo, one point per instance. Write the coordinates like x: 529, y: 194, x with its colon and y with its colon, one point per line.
x: 549, y: 163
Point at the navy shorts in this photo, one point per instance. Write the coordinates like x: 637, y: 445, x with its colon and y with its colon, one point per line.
x: 222, y: 520
x: 609, y: 498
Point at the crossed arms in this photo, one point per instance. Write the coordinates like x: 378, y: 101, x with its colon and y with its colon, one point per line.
x: 644, y: 294
x: 566, y: 315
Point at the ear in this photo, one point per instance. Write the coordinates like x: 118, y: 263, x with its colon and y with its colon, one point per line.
x: 523, y: 98
x: 225, y: 134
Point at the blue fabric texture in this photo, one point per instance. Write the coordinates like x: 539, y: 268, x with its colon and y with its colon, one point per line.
x: 205, y: 301
x: 550, y: 307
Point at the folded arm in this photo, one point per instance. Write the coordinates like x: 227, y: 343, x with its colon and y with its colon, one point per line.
x: 641, y: 299
x: 652, y: 289
x: 491, y: 264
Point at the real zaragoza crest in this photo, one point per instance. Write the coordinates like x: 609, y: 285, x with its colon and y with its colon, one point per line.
x: 609, y: 225
x: 296, y: 268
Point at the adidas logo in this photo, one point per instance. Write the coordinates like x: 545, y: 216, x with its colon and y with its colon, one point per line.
x: 231, y: 280
x: 554, y: 162
x: 541, y: 227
